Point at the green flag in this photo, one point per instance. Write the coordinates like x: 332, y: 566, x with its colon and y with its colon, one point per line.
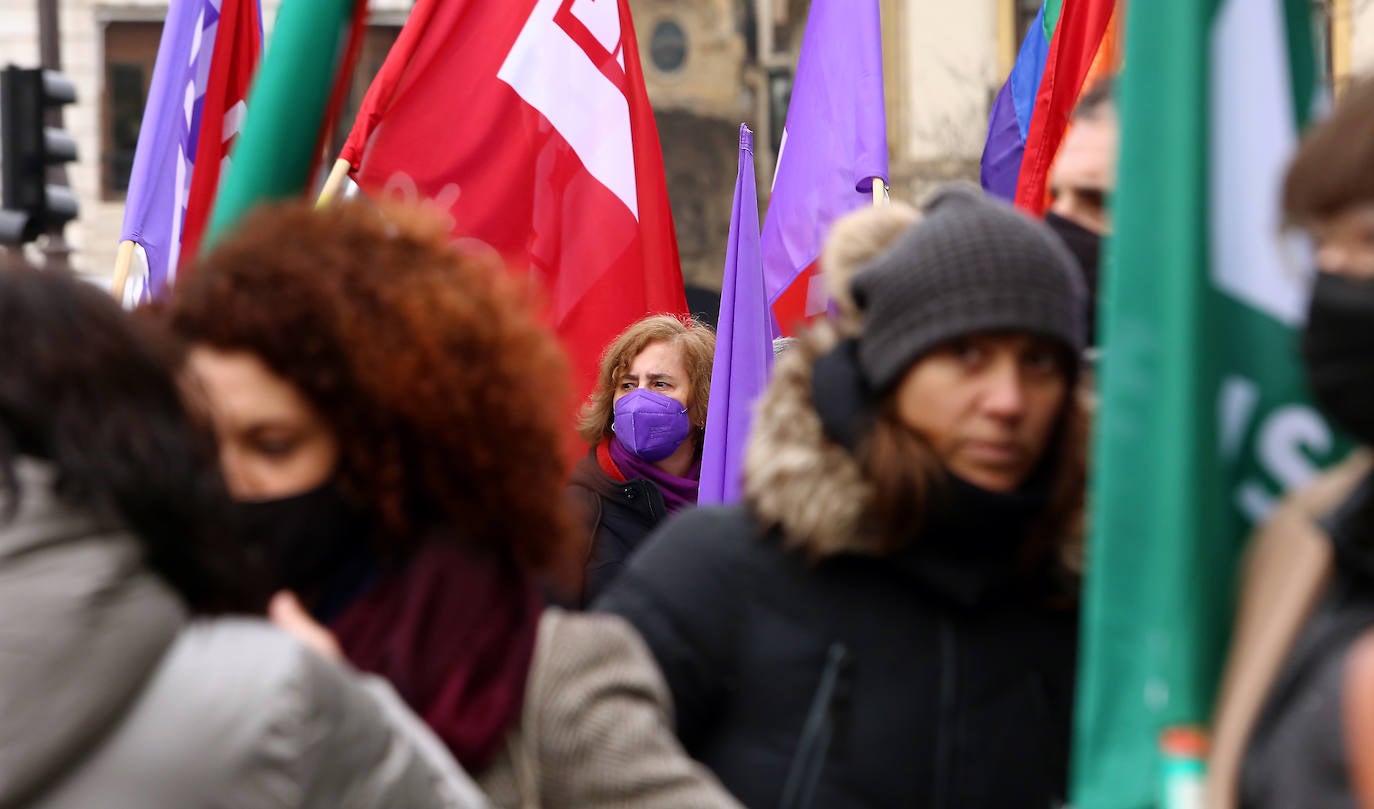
x: 293, y: 100
x: 1204, y: 421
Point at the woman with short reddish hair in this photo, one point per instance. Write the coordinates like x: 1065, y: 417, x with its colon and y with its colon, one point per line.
x: 645, y: 423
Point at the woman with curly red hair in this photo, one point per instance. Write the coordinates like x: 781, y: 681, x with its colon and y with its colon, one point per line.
x: 645, y: 423
x: 385, y: 410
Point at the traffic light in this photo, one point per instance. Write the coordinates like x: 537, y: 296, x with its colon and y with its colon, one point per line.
x: 28, y: 147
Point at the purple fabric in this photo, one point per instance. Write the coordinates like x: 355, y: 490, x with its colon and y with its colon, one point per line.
x: 744, y: 344
x: 165, y: 156
x: 1002, y: 153
x: 678, y: 493
x: 835, y: 140
x: 1010, y: 117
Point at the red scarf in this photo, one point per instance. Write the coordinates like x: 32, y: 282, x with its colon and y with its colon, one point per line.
x: 454, y: 633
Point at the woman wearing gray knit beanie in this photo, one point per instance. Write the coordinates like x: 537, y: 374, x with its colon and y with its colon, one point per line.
x: 890, y: 619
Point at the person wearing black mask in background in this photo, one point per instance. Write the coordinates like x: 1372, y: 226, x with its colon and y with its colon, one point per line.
x: 1081, y: 181
x: 1295, y: 718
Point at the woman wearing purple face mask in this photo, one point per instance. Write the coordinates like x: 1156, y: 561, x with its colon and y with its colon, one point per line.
x: 644, y: 423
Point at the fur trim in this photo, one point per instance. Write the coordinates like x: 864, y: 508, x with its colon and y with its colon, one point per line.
x: 795, y: 477
x: 811, y: 488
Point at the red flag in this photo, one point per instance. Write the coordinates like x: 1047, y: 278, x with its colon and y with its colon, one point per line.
x: 238, y: 49
x: 528, y: 123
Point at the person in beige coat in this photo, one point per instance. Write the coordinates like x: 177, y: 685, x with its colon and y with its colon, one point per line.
x: 1291, y: 718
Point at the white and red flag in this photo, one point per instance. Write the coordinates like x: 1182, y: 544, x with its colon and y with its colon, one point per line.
x: 238, y: 49
x: 527, y: 122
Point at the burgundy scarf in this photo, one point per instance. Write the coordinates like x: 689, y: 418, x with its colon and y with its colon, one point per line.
x: 454, y: 633
x: 623, y: 466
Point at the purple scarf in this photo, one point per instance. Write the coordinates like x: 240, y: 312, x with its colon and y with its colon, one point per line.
x: 677, y: 492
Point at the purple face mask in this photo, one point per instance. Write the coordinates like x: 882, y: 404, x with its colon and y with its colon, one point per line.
x: 650, y: 425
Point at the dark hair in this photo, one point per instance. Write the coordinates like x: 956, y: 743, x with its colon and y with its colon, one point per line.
x: 1100, y: 95
x: 445, y: 394
x: 80, y: 389
x: 1333, y: 168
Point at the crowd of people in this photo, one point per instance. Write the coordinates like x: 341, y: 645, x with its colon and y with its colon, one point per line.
x: 301, y: 534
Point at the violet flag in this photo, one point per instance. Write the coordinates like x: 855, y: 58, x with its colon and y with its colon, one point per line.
x: 744, y: 343
x: 833, y: 145
x: 165, y: 155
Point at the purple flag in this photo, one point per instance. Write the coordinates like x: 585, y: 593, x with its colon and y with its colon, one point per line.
x: 744, y: 343
x: 165, y: 155
x: 834, y: 144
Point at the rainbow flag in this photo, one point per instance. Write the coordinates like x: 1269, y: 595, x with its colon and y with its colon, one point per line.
x: 1069, y: 44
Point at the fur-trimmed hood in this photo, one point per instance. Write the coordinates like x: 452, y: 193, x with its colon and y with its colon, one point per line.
x: 798, y: 479
x: 795, y: 477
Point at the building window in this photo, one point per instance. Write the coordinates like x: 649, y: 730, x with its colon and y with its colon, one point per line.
x: 668, y: 46
x: 1026, y: 12
x: 130, y: 52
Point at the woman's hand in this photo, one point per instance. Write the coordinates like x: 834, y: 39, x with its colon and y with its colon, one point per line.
x: 290, y: 616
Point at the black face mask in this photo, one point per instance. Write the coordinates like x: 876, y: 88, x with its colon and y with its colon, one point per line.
x: 1338, y: 350
x: 305, y: 540
x: 1086, y: 246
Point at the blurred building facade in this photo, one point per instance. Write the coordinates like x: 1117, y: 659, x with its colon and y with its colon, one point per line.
x: 709, y: 64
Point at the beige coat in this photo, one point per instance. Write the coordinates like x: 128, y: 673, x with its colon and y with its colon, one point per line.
x: 596, y: 731
x: 1288, y: 564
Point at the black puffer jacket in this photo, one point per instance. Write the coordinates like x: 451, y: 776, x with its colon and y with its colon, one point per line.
x: 616, y: 517
x: 808, y: 672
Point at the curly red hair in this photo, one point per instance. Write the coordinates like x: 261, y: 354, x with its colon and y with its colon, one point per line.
x: 428, y: 364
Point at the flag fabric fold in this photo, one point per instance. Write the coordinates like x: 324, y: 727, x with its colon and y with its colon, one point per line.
x: 164, y: 158
x: 744, y: 346
x: 834, y: 144
x: 527, y: 123
x: 1204, y: 421
x: 238, y: 49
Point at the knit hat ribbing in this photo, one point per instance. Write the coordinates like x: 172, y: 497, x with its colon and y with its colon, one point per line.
x: 972, y: 264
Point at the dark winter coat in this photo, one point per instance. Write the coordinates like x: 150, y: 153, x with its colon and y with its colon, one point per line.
x: 616, y: 517
x: 808, y: 672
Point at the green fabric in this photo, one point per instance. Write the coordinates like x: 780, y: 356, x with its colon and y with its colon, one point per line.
x: 1052, y: 9
x: 1170, y: 484
x: 286, y: 108
x: 1303, y: 64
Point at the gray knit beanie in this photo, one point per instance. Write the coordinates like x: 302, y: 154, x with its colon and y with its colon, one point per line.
x: 972, y: 264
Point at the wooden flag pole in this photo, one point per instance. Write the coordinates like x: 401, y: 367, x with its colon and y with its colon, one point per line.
x: 879, y: 192
x: 337, y: 174
x: 124, y: 259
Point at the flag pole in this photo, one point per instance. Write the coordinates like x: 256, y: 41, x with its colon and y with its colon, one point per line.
x: 333, y: 183
x: 123, y: 260
x: 879, y: 192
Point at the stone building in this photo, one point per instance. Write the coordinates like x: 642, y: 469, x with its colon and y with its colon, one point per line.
x: 709, y: 64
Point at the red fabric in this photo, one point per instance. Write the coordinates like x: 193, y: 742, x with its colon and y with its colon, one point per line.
x: 238, y: 49
x: 607, y: 463
x: 1077, y: 38
x: 455, y: 635
x: 438, y: 124
x: 789, y: 310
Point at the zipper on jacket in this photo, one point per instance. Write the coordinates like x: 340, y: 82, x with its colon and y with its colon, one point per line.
x: 945, y: 721
x: 829, y: 705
